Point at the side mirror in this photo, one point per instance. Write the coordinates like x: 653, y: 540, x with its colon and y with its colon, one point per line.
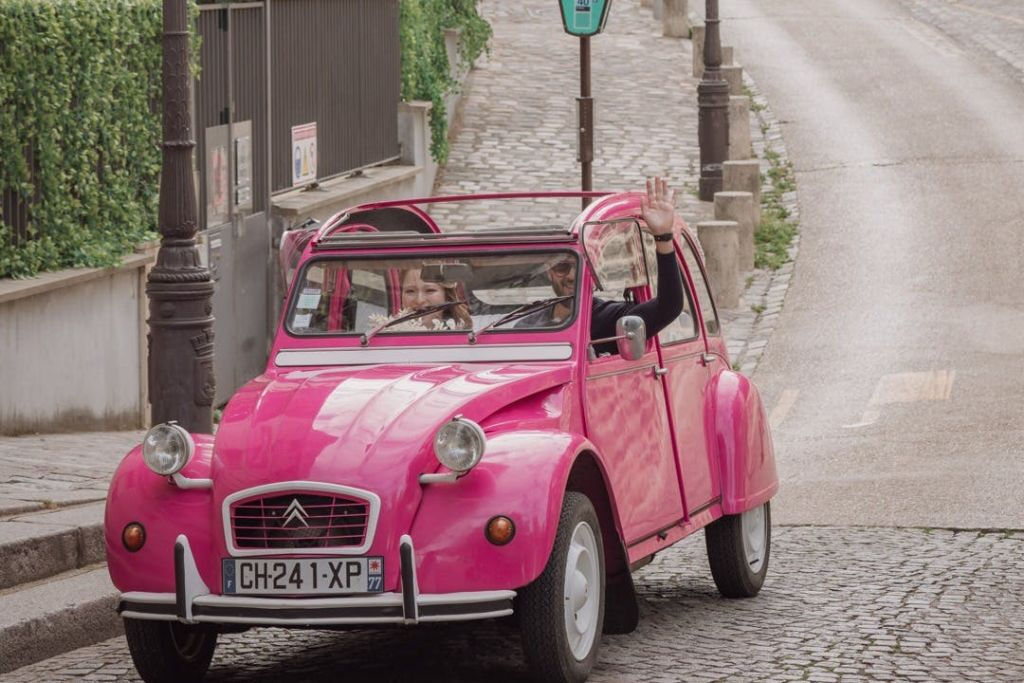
x: 631, y: 336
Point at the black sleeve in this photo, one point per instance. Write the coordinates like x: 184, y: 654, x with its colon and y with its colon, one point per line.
x: 656, y: 313
x: 666, y: 307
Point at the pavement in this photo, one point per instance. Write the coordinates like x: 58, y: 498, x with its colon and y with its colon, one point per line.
x: 849, y: 596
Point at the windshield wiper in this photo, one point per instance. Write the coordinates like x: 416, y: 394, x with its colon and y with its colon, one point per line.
x: 521, y: 312
x: 367, y: 336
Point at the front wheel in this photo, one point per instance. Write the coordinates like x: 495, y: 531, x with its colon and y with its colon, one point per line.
x: 168, y: 651
x: 561, y: 612
x: 738, y: 550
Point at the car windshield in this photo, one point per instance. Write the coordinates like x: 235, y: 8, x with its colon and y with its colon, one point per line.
x: 434, y: 294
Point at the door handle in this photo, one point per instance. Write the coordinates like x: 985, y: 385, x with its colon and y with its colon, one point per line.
x: 708, y: 358
x: 658, y: 372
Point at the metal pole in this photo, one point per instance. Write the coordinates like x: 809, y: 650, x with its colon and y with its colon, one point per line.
x: 585, y: 104
x: 179, y: 287
x: 713, y: 106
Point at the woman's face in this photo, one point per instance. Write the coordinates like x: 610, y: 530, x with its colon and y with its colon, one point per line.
x: 417, y: 295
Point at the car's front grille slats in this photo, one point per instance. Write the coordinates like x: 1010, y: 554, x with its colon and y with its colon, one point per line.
x: 299, y: 520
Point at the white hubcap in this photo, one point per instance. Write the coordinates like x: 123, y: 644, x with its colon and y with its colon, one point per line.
x: 581, y: 591
x: 755, y: 537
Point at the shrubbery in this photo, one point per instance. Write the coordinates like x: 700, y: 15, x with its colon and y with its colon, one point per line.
x: 425, y: 73
x: 80, y: 126
x: 79, y: 139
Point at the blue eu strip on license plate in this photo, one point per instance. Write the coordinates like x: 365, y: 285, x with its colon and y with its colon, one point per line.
x: 308, y: 576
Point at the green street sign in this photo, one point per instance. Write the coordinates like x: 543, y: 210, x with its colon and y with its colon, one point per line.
x: 584, y: 17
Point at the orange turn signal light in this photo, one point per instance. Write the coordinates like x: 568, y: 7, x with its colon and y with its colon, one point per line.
x: 133, y: 536
x: 500, y: 530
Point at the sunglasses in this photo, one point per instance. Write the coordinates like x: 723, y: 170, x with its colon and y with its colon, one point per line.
x: 563, y: 268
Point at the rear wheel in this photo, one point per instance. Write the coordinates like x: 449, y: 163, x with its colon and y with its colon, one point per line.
x: 738, y: 551
x: 169, y: 651
x: 561, y: 612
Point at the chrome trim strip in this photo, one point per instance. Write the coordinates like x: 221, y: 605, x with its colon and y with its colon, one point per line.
x: 439, y: 478
x: 424, y: 354
x: 316, y: 611
x: 183, y: 482
x: 371, y: 524
x: 410, y: 588
x: 190, y: 583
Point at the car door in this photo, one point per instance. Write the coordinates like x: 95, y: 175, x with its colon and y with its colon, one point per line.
x: 625, y: 404
x: 683, y: 352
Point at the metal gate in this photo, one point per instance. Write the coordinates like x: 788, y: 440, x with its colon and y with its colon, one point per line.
x: 231, y: 110
x: 266, y: 68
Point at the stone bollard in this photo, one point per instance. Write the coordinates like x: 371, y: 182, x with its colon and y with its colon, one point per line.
x: 674, y: 21
x: 739, y: 128
x: 739, y: 207
x: 744, y: 176
x: 721, y: 244
x: 659, y: 9
x: 697, y: 36
x: 734, y: 75
x: 727, y: 55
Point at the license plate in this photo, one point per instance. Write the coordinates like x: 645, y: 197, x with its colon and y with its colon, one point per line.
x: 320, y: 576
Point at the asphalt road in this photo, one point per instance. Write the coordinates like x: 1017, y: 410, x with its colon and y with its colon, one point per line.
x: 895, y: 373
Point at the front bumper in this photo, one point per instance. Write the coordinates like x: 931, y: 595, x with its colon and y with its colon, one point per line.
x: 192, y: 602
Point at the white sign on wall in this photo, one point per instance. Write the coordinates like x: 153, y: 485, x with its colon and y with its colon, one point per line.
x: 303, y: 154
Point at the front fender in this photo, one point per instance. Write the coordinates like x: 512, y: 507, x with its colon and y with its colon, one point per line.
x: 138, y: 495
x: 523, y: 475
x: 742, y: 442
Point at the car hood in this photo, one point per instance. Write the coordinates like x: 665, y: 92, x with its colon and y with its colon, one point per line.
x: 369, y: 427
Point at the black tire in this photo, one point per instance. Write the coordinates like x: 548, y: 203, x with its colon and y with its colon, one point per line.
x: 169, y: 651
x: 541, y: 605
x: 731, y: 562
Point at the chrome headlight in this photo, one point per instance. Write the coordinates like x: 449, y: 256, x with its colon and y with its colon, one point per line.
x: 459, y: 444
x: 167, y: 448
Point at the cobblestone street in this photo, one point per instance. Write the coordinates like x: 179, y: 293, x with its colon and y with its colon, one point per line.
x: 993, y: 30
x: 840, y: 604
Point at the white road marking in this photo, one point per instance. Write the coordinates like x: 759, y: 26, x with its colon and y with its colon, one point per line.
x: 906, y: 387
x: 782, y: 408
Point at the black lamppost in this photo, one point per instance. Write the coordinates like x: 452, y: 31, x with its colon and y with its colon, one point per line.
x: 713, y: 105
x: 180, y: 290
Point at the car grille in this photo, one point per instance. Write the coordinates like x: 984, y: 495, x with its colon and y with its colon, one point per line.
x: 299, y: 520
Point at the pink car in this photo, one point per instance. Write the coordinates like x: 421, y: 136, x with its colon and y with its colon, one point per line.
x: 437, y: 437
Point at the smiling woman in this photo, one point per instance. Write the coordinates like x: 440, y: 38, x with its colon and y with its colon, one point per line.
x: 440, y: 293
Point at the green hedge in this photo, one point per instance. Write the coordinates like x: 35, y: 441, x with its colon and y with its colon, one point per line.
x: 425, y: 61
x: 78, y: 83
x: 80, y: 126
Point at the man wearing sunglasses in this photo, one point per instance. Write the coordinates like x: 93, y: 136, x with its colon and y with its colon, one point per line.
x: 659, y: 214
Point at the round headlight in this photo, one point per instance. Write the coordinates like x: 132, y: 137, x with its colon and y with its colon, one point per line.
x: 459, y: 444
x: 167, y: 448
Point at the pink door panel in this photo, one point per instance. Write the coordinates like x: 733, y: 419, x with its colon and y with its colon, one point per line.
x: 628, y: 422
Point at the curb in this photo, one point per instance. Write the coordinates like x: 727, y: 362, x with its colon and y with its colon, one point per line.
x: 765, y: 292
x: 43, y: 544
x: 53, y: 617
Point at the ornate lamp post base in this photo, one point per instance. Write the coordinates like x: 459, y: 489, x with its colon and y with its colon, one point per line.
x: 179, y: 288
x: 713, y: 104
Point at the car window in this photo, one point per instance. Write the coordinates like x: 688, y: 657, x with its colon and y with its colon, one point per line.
x: 440, y: 293
x: 700, y: 286
x: 685, y: 326
x: 616, y: 257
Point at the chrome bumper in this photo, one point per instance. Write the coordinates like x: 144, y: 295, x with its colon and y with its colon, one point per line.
x: 193, y: 603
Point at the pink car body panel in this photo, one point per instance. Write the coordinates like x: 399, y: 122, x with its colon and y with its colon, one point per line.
x: 371, y: 427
